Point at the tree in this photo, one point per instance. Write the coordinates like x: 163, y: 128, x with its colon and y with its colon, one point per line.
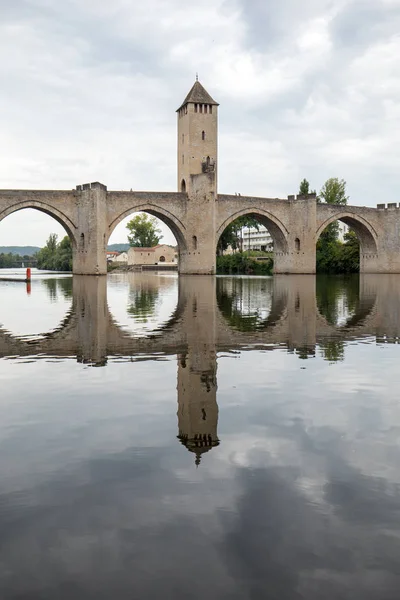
x: 334, y: 191
x: 54, y: 256
x: 143, y: 231
x: 304, y: 188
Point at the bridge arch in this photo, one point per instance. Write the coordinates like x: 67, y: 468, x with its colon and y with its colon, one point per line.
x: 175, y: 225
x: 49, y: 210
x: 276, y: 228
x: 364, y: 231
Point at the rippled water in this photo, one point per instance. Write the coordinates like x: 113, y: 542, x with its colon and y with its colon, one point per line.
x: 226, y: 438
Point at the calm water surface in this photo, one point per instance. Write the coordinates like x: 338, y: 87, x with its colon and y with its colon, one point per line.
x: 225, y: 438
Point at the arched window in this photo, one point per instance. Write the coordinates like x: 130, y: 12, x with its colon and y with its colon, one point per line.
x: 297, y: 244
x: 183, y: 159
x: 183, y: 186
x: 195, y: 108
x: 82, y: 242
x: 194, y: 240
x: 205, y: 109
x: 183, y: 138
x: 210, y: 109
x: 162, y: 258
x: 203, y: 135
x: 208, y: 161
x: 201, y: 107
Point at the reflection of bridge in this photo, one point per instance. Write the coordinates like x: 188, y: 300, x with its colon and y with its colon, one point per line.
x: 90, y: 333
x: 197, y: 214
x: 199, y: 328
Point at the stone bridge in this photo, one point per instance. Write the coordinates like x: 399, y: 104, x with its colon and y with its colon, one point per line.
x: 90, y: 333
x: 197, y: 214
x: 90, y: 213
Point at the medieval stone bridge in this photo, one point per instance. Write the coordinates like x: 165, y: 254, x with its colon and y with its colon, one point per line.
x: 90, y: 213
x: 90, y: 334
x: 197, y: 214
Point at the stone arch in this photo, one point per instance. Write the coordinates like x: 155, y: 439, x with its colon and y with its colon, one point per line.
x: 53, y: 212
x: 276, y: 228
x: 176, y: 226
x: 365, y: 232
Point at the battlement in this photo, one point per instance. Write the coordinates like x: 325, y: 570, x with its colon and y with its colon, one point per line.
x: 389, y: 206
x: 302, y: 197
x: 91, y: 186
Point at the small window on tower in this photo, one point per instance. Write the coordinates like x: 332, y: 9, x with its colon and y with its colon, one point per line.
x: 195, y: 108
x: 183, y: 159
x: 210, y: 109
x: 183, y: 138
x: 203, y: 135
x: 205, y: 108
x: 201, y: 108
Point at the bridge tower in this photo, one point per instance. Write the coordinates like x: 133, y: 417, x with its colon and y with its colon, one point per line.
x: 197, y: 136
x: 197, y: 177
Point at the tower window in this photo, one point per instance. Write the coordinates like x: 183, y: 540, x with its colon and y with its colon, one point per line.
x: 183, y: 186
x: 195, y: 108
x: 297, y: 244
x: 183, y: 159
x: 203, y: 135
x: 201, y: 108
x: 183, y: 138
x: 194, y: 240
x: 205, y: 109
x: 210, y: 109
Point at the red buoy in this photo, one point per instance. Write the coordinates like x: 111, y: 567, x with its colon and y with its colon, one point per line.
x: 28, y: 274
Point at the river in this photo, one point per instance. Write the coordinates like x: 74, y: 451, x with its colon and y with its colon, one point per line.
x: 199, y: 437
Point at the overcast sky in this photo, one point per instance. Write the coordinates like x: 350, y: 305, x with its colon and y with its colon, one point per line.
x: 90, y: 88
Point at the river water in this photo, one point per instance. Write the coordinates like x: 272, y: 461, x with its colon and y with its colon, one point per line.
x: 220, y: 438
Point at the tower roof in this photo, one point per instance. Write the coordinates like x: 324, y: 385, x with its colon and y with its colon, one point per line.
x: 199, y: 95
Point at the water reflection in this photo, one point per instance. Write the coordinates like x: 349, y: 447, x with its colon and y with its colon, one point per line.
x: 297, y: 490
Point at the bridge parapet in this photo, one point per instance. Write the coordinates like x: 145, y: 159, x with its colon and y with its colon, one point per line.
x: 91, y: 186
x: 389, y: 206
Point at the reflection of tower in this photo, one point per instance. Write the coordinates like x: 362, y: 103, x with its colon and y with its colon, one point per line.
x: 197, y: 369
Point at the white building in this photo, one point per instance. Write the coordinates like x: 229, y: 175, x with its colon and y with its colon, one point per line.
x: 254, y: 239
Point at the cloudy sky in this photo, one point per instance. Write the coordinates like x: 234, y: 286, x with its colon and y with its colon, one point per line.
x: 90, y: 88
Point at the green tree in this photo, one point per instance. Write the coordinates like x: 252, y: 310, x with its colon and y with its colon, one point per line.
x: 304, y: 188
x: 54, y: 256
x: 334, y: 191
x: 332, y: 255
x: 143, y: 231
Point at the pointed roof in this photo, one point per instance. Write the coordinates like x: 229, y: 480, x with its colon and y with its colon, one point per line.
x: 199, y: 95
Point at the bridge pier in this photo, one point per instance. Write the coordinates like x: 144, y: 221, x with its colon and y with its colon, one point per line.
x: 89, y: 252
x: 198, y: 258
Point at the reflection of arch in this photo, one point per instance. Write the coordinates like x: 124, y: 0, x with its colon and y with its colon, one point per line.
x: 365, y: 232
x: 275, y: 227
x: 183, y: 186
x: 176, y: 226
x: 242, y: 323
x: 59, y: 216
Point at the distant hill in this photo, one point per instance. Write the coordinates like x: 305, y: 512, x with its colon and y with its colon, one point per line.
x: 21, y: 250
x: 117, y: 247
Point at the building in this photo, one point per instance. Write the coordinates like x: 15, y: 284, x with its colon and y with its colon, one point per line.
x: 197, y: 136
x: 254, y: 239
x: 111, y: 255
x: 161, y: 254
